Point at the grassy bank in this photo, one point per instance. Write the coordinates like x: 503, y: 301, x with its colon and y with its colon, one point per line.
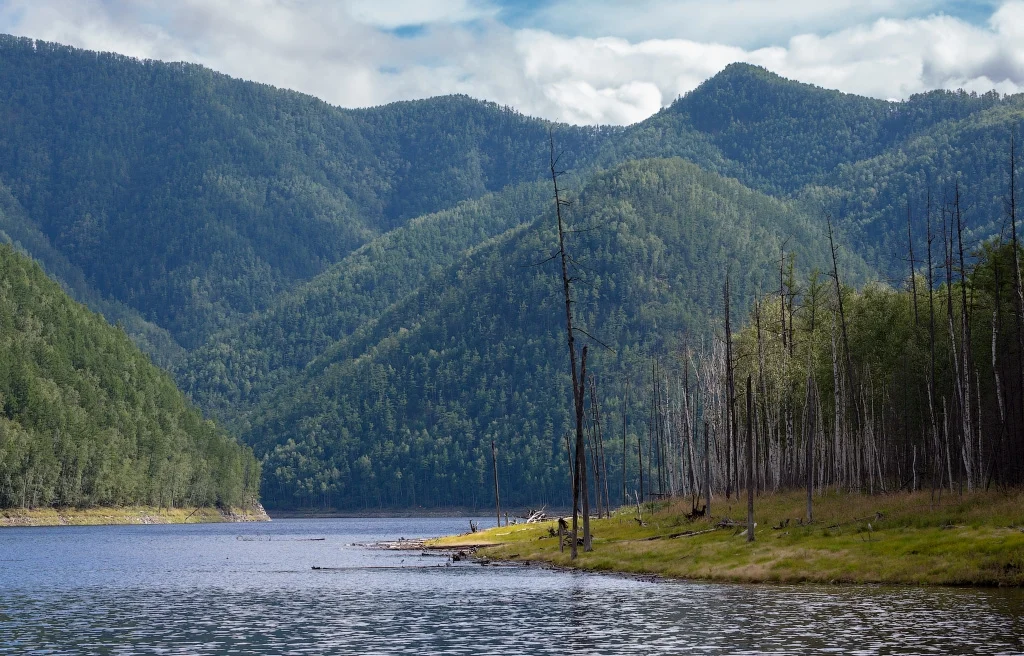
x: 976, y: 539
x: 127, y: 515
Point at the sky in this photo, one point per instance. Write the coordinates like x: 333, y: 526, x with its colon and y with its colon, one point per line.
x: 577, y: 61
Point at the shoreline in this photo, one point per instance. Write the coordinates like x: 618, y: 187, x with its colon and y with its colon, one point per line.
x: 452, y: 513
x: 127, y: 515
x: 900, y: 539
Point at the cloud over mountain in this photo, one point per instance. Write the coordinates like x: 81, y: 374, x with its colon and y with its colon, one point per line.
x: 561, y: 60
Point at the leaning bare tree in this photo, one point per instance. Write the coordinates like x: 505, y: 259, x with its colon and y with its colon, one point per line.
x: 579, y: 485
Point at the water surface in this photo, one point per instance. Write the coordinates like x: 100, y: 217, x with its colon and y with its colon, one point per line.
x: 251, y: 589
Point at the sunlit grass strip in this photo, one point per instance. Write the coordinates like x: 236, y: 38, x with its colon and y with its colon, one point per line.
x: 976, y: 539
x: 127, y: 515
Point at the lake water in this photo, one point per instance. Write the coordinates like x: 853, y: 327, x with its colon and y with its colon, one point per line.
x: 251, y: 589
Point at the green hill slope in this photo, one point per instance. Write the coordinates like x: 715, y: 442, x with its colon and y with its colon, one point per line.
x: 237, y: 368
x: 271, y: 249
x: 195, y: 198
x: 858, y: 159
x: 870, y: 196
x: 779, y: 135
x: 17, y: 229
x: 402, y: 411
x: 87, y: 420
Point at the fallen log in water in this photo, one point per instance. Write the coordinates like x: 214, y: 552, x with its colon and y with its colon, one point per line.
x: 399, y: 545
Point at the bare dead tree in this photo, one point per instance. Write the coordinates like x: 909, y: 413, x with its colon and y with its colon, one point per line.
x: 842, y: 322
x: 625, y: 405
x: 640, y: 458
x: 913, y: 268
x: 730, y: 449
x: 809, y: 427
x: 578, y: 377
x: 970, y: 456
x: 1018, y: 288
x: 933, y: 461
x: 957, y: 382
x: 707, y: 470
x: 750, y: 461
x: 604, y: 470
x: 497, y: 497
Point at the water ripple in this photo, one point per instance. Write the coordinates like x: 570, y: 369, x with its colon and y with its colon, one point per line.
x: 200, y: 590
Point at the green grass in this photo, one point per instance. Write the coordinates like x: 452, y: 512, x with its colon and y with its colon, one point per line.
x: 974, y: 539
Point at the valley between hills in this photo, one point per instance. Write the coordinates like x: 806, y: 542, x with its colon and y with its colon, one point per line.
x: 217, y: 293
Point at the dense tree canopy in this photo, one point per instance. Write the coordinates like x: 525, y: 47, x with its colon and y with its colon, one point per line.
x: 351, y: 291
x: 86, y: 419
x: 402, y: 411
x: 195, y: 198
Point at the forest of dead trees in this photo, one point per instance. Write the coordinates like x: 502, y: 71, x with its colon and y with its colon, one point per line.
x: 880, y: 390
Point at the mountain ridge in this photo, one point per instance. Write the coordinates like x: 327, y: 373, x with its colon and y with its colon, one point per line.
x: 258, y: 241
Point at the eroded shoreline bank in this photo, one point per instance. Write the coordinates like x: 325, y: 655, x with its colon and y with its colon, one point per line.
x: 13, y: 517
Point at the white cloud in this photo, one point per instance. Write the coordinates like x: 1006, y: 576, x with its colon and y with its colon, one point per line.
x: 738, y: 22
x: 339, y: 51
x: 401, y: 13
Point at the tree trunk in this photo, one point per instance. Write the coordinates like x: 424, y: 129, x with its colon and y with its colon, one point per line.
x: 580, y: 484
x: 750, y: 461
x: 497, y: 497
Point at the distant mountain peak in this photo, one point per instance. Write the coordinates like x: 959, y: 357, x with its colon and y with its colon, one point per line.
x: 739, y: 76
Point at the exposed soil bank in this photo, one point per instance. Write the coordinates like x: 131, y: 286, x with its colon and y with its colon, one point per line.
x: 128, y: 515
x: 974, y: 539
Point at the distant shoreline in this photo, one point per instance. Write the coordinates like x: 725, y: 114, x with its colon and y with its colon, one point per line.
x: 127, y: 515
x: 454, y: 513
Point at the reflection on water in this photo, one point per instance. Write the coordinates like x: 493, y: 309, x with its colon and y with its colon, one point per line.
x: 222, y: 589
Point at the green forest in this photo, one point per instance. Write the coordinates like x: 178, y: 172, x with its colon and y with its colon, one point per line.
x: 905, y: 389
x: 476, y: 353
x: 88, y: 420
x: 366, y: 298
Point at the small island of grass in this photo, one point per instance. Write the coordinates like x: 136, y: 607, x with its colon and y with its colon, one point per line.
x: 973, y: 539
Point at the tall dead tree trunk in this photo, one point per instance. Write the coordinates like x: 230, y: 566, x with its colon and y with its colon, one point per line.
x: 591, y: 428
x: 997, y: 320
x: 581, y: 457
x: 954, y: 354
x: 625, y: 405
x: 571, y: 463
x: 913, y: 269
x: 809, y: 427
x: 851, y: 382
x: 497, y: 497
x: 730, y: 448
x: 971, y: 453
x: 604, y: 471
x: 707, y: 471
x: 1018, y: 292
x: 688, y: 416
x: 578, y: 378
x: 640, y: 458
x: 750, y: 461
x: 933, y: 462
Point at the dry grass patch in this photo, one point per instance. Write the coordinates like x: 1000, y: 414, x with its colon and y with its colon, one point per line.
x: 126, y: 515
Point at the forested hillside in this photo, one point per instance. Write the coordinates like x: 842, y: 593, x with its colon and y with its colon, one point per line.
x: 194, y: 198
x: 353, y: 292
x: 857, y: 159
x: 239, y: 367
x: 86, y: 418
x: 402, y: 411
